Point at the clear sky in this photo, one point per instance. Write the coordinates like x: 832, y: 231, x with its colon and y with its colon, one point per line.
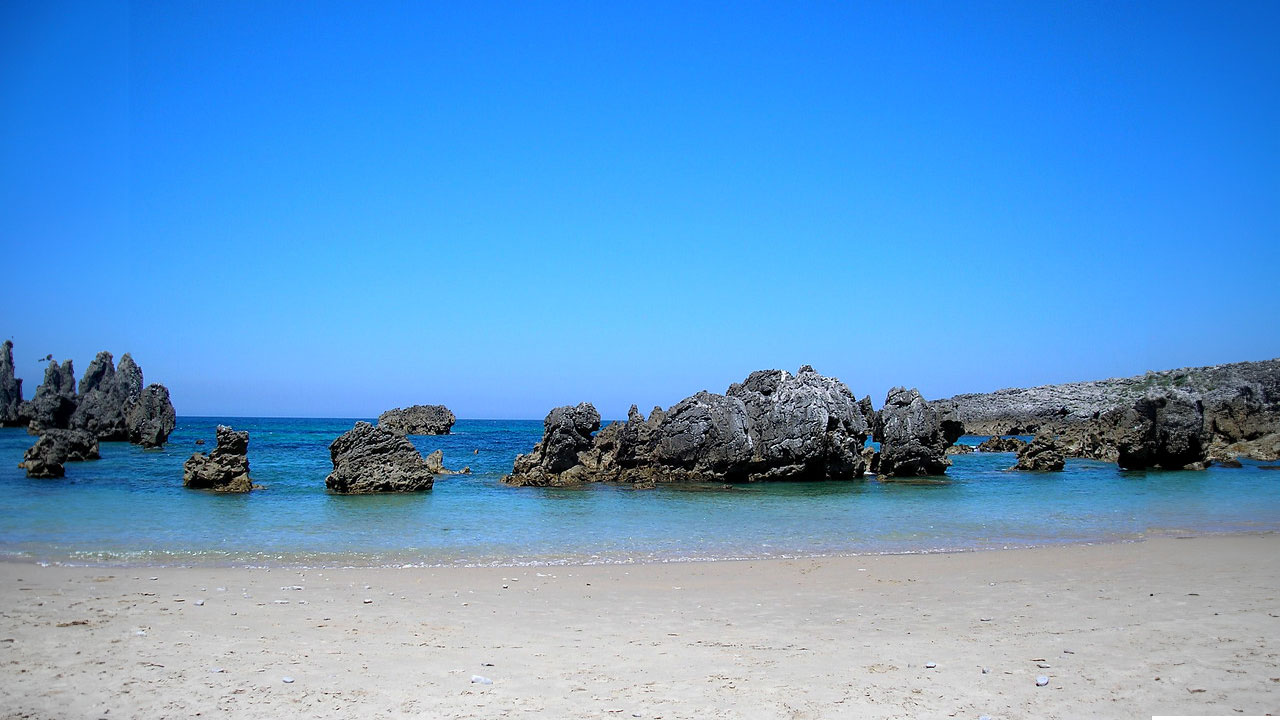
x: 331, y: 209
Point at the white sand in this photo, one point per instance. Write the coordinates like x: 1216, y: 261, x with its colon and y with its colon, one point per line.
x: 1167, y: 626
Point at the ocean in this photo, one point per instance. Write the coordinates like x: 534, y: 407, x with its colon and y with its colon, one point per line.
x: 130, y: 508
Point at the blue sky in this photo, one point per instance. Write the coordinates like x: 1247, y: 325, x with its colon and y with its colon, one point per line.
x: 330, y: 209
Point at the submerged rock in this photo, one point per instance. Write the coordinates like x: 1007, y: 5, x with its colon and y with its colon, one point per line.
x: 368, y: 459
x: 151, y: 418
x: 418, y: 420
x: 225, y: 469
x: 1042, y: 454
x: 911, y: 437
x: 10, y: 389
x: 46, y: 458
x: 772, y: 426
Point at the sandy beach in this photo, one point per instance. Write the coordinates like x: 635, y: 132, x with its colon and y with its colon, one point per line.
x: 1165, y: 626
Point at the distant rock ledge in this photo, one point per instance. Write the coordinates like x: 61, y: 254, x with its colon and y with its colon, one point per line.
x: 418, y: 420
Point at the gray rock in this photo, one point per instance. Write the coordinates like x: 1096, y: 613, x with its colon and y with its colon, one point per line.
x: 1042, y: 454
x: 911, y: 437
x: 10, y: 389
x: 46, y: 458
x: 418, y: 420
x: 772, y: 426
x: 368, y: 459
x: 151, y: 418
x: 106, y: 396
x: 1165, y: 428
x: 997, y: 444
x: 960, y: 450
x: 225, y: 469
x: 435, y: 462
x: 55, y: 399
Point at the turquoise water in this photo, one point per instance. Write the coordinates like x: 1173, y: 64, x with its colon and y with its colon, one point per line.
x: 130, y: 508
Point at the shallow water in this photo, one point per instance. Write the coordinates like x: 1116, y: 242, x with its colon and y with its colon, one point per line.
x: 130, y: 508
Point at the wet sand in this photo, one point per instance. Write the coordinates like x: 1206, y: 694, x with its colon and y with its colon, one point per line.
x: 1166, y: 626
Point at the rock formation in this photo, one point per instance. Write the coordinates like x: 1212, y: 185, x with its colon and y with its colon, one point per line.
x: 418, y: 420
x: 225, y: 469
x: 10, y: 389
x: 151, y: 418
x: 435, y: 463
x: 996, y: 444
x: 368, y: 459
x: 55, y: 399
x: 46, y: 458
x: 960, y: 450
x: 1165, y: 429
x: 1042, y: 454
x: 911, y: 437
x: 772, y: 426
x: 106, y: 396
x: 1240, y: 405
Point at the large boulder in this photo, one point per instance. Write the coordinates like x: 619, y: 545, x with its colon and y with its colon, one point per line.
x: 10, y: 389
x: 435, y: 463
x: 566, y: 431
x: 225, y: 469
x: 418, y: 420
x: 771, y: 426
x: 369, y: 459
x: 106, y: 396
x: 46, y: 458
x: 151, y: 418
x: 1165, y: 428
x: 55, y: 399
x: 911, y: 436
x: 1042, y: 454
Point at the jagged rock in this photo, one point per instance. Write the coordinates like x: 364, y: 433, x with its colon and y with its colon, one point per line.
x: 1042, y: 454
x: 55, y: 400
x: 435, y: 463
x: 418, y: 420
x: 871, y: 457
x: 566, y: 431
x: 151, y: 418
x: 46, y: 458
x: 772, y: 426
x: 959, y: 449
x: 106, y: 395
x: 997, y: 444
x: 911, y: 437
x: 225, y: 468
x: 368, y: 459
x: 10, y: 389
x: 1165, y: 429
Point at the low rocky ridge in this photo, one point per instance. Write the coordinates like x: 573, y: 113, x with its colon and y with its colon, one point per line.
x: 369, y: 459
x: 771, y: 426
x: 1237, y: 407
x: 995, y: 443
x: 225, y: 469
x: 112, y: 403
x: 47, y: 457
x: 418, y: 420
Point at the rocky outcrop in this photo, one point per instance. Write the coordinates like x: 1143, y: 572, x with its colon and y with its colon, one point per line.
x: 106, y: 396
x: 46, y: 458
x: 772, y: 426
x: 55, y: 399
x: 225, y: 469
x: 1240, y: 406
x: 996, y: 444
x: 911, y: 436
x: 10, y: 389
x: 1163, y: 429
x: 418, y: 420
x: 1042, y: 454
x: 151, y: 418
x: 369, y: 459
x: 960, y: 449
x: 435, y: 463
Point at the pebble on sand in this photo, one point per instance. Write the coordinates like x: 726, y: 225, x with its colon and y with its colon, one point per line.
x: 1041, y: 681
x: 931, y: 665
x: 480, y: 679
x: 286, y: 680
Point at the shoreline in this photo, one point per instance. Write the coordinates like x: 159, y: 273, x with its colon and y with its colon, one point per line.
x: 1164, y: 626
x: 575, y: 561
